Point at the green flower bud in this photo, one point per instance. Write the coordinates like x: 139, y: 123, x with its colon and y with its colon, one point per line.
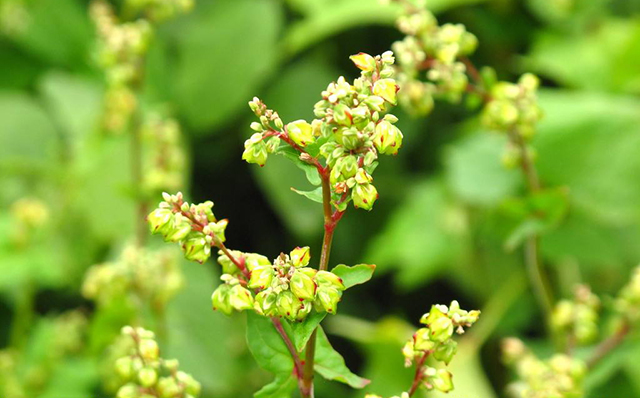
x: 387, y: 89
x: 261, y: 277
x: 344, y: 168
x: 124, y: 368
x: 168, y: 387
x: 444, y: 352
x: 422, y: 340
x: 220, y: 299
x: 218, y: 228
x: 253, y: 260
x: 171, y: 364
x: 240, y: 298
x: 265, y: 303
x: 440, y: 379
x: 255, y: 150
x: 303, y: 286
x: 192, y: 386
x: 350, y: 138
x: 179, y: 230
x: 327, y: 298
x: 149, y: 349
x: 147, y: 376
x: 360, y: 117
x: 387, y: 138
x: 300, y: 256
x: 300, y: 132
x: 288, y: 305
x: 375, y: 103
x: 364, y: 196
x: 364, y: 62
x: 128, y: 391
x: 329, y: 279
x: 342, y: 115
x: 196, y: 247
x: 160, y: 221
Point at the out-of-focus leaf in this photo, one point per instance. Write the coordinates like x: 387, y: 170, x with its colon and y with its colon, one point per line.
x: 302, y: 330
x: 315, y: 195
x: 267, y: 345
x: 59, y: 31
x: 28, y: 138
x: 281, y: 387
x: 330, y: 364
x: 355, y: 275
x: 73, y: 378
x: 39, y: 264
x: 225, y: 52
x: 198, y: 337
x: 603, y: 57
x: 535, y: 214
x: 474, y: 171
x: 424, y: 235
x: 75, y: 103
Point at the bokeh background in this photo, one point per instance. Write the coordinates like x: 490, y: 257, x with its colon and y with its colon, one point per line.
x: 437, y: 232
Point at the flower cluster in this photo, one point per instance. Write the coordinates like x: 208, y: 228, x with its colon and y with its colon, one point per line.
x: 144, y: 374
x: 138, y: 276
x: 628, y: 301
x: 577, y: 320
x: 164, y: 158
x: 29, y: 215
x: 430, y: 52
x: 559, y: 376
x: 349, y: 133
x: 159, y: 10
x: 193, y: 226
x: 285, y: 288
x: 436, y: 340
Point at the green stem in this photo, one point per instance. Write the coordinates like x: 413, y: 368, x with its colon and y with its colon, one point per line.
x: 23, y: 314
x: 537, y: 277
x: 417, y: 378
x: 330, y: 222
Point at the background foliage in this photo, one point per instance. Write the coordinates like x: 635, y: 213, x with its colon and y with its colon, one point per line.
x: 438, y: 232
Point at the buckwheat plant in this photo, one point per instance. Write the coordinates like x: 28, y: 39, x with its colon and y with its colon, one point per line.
x: 144, y: 374
x: 433, y: 64
x: 286, y: 298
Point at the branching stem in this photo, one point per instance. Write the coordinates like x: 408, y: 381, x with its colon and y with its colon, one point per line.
x: 419, y: 375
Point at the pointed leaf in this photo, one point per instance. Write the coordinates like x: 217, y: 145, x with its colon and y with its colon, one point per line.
x: 355, y: 275
x: 315, y: 195
x: 280, y: 387
x: 302, y: 330
x: 330, y: 364
x: 267, y: 346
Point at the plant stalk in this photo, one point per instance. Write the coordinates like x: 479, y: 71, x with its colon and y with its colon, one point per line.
x: 417, y: 378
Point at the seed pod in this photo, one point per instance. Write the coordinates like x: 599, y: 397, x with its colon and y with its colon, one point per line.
x: 240, y: 298
x: 303, y: 286
x: 387, y: 89
x: 329, y: 279
x: 261, y: 277
x: 300, y: 132
x: 387, y: 138
x: 327, y: 299
x: 220, y: 299
x: 300, y: 256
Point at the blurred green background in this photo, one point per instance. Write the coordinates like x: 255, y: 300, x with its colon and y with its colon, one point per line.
x: 436, y: 234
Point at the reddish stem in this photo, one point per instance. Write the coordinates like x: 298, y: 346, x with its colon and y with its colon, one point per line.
x: 417, y: 378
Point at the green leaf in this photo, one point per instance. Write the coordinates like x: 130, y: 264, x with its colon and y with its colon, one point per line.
x: 330, y: 364
x: 217, y: 72
x: 302, y: 330
x: 281, y: 387
x: 267, y: 346
x: 474, y: 171
x: 425, y: 234
x: 310, y: 171
x: 315, y: 195
x: 356, y: 275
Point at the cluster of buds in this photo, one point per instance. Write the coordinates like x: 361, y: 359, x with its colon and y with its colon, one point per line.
x: 429, y: 58
x: 577, y: 320
x: 628, y: 301
x: 11, y: 385
x: 403, y: 395
x: 121, y: 51
x: 29, y: 215
x: 286, y: 287
x: 144, y: 374
x: 139, y: 276
x: 349, y: 133
x: 513, y: 107
x: 559, y: 376
x: 164, y: 158
x: 193, y: 226
x: 436, y: 340
x: 159, y: 10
